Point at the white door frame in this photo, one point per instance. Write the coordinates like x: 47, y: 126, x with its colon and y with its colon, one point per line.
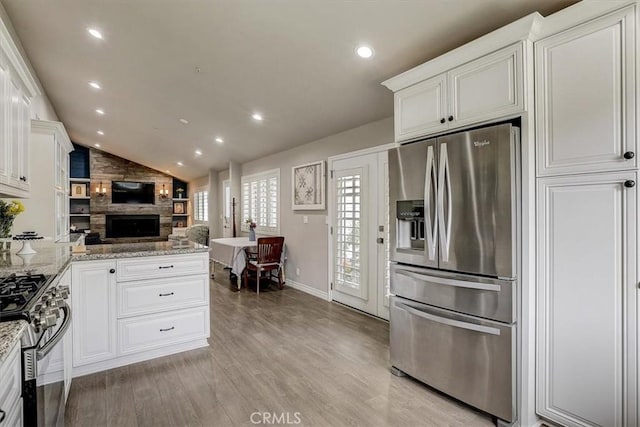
x: 226, y: 183
x: 331, y: 195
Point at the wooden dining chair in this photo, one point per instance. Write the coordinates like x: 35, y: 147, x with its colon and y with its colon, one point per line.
x: 265, y: 258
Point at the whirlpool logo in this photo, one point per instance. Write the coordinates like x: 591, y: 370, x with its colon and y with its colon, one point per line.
x: 481, y: 143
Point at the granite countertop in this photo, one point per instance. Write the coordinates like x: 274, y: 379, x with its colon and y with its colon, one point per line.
x: 52, y: 258
x: 10, y: 333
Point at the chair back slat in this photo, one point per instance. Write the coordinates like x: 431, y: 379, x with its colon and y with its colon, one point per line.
x: 270, y: 249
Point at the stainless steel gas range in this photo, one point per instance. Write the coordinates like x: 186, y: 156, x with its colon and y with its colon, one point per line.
x: 39, y: 300
x: 453, y: 204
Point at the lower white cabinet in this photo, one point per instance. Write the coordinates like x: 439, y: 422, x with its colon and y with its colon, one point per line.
x: 587, y: 300
x: 118, y: 320
x: 11, y: 389
x: 93, y: 287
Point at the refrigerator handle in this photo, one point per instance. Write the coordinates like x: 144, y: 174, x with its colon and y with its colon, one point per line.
x: 449, y: 322
x: 444, y: 180
x: 430, y: 224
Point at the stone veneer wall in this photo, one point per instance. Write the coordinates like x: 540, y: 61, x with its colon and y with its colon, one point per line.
x: 106, y: 167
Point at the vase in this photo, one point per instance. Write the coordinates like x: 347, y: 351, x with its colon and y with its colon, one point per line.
x: 5, y: 234
x: 252, y: 235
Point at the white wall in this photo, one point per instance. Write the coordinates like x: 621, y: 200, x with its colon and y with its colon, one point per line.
x: 307, y: 243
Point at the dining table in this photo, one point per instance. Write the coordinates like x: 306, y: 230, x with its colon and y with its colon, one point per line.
x: 230, y: 252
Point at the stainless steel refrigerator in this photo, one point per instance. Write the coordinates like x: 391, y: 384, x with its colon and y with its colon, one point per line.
x: 453, y: 205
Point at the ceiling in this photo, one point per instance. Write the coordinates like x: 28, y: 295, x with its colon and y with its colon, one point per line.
x: 216, y: 62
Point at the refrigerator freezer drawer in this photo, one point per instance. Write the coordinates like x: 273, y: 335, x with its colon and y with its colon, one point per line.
x: 465, y: 357
x: 483, y: 297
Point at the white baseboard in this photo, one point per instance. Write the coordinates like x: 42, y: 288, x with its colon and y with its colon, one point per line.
x: 307, y: 289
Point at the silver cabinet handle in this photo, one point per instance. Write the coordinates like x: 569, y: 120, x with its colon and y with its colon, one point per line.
x: 449, y: 282
x: 168, y: 329
x: 449, y: 322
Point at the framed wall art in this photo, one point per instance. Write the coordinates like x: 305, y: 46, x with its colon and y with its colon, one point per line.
x: 308, y: 186
x: 79, y: 190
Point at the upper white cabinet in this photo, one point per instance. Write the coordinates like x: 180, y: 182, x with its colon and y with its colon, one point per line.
x: 17, y: 88
x: 585, y: 97
x: 487, y: 88
x: 47, y: 210
x: 587, y: 299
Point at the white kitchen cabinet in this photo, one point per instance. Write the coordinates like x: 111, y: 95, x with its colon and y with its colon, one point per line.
x: 150, y: 306
x: 586, y: 97
x: 11, y: 388
x: 587, y: 300
x: 487, y: 88
x: 93, y: 287
x: 17, y: 87
x: 47, y: 209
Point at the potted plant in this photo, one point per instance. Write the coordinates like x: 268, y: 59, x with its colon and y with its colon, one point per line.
x: 8, y: 212
x: 252, y: 229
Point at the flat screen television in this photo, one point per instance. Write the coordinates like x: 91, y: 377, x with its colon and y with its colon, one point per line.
x: 133, y: 192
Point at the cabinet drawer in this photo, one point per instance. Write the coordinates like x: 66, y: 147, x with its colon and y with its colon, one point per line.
x: 162, y: 266
x: 11, y: 384
x: 150, y: 296
x: 159, y: 330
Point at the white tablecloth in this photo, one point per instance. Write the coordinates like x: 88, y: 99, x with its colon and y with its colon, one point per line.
x: 229, y: 251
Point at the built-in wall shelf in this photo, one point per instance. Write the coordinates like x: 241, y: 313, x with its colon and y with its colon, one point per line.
x: 80, y: 193
x: 79, y: 198
x: 79, y: 214
x: 80, y: 179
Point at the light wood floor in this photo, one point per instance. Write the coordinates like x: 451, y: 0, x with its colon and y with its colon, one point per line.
x: 282, y: 352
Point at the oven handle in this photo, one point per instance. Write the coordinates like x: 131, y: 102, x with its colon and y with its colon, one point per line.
x: 42, y: 352
x: 449, y: 282
x: 449, y: 322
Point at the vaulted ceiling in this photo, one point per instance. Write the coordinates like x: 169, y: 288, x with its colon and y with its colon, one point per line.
x: 216, y: 62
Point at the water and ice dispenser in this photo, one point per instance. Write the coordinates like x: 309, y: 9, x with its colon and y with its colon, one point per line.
x: 410, y: 225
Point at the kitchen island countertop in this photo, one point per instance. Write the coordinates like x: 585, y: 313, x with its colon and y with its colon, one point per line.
x: 10, y: 333
x: 52, y: 258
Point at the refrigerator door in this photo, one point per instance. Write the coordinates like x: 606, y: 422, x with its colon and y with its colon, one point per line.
x: 413, y: 226
x: 476, y: 201
x: 468, y: 358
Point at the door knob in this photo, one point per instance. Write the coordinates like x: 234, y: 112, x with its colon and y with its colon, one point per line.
x: 629, y: 184
x: 442, y: 120
x: 450, y: 118
x: 629, y: 155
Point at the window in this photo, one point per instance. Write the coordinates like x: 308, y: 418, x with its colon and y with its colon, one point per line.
x: 201, y: 206
x: 261, y: 201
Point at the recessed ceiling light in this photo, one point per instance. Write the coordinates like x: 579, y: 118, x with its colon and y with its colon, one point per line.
x: 257, y: 117
x: 100, y: 111
x: 219, y: 140
x: 179, y: 163
x: 95, y: 33
x: 184, y: 121
x: 198, y: 153
x: 96, y: 145
x: 99, y: 132
x: 364, y: 52
x: 95, y: 85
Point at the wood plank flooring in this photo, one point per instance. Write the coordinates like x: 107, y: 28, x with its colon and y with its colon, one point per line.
x: 283, y: 352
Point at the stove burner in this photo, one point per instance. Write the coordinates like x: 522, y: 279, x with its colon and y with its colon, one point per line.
x: 17, y: 291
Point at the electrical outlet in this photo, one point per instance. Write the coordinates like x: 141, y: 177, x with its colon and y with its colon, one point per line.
x: 297, y: 271
x: 305, y: 219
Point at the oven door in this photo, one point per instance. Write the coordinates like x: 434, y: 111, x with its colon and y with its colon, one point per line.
x: 53, y: 374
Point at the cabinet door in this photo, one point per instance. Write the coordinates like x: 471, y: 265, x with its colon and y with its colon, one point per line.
x: 15, y: 133
x: 488, y: 88
x: 421, y: 109
x: 25, y: 130
x: 4, y: 120
x: 94, y: 311
x: 585, y: 97
x: 587, y: 298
